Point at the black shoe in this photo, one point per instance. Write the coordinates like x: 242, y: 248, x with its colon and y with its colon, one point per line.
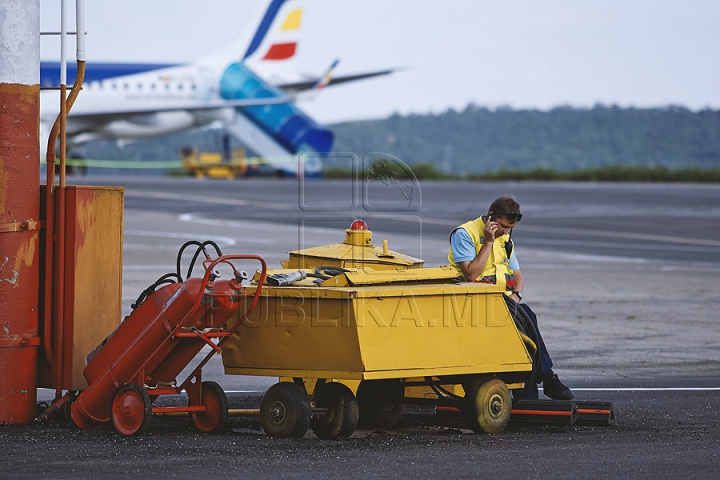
x: 554, y: 388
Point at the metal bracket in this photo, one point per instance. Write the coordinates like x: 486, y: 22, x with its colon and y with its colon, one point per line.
x: 27, y: 225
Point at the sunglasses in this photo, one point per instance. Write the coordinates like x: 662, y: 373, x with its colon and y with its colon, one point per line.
x: 512, y: 216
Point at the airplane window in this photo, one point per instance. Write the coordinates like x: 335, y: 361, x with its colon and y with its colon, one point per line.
x: 152, y: 86
x: 126, y: 86
x: 167, y: 86
x: 114, y: 86
x: 139, y: 86
x: 193, y: 86
x: 180, y: 87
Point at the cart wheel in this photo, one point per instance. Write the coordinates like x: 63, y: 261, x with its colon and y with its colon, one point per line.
x: 131, y: 410
x: 342, y: 414
x: 377, y: 399
x: 489, y: 405
x: 285, y: 411
x: 214, y: 400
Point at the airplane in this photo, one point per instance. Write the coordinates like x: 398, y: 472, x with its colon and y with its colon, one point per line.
x: 248, y: 87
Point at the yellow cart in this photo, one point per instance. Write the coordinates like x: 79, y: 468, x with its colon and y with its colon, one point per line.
x: 367, y: 330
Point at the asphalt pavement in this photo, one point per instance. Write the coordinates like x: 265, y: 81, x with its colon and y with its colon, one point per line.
x: 625, y: 279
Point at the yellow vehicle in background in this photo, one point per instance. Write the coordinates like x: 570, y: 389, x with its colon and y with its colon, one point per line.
x: 211, y: 164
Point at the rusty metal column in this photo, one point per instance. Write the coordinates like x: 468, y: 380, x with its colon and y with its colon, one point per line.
x: 19, y: 207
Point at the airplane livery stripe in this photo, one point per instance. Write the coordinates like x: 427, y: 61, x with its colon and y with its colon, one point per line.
x: 292, y: 21
x: 280, y: 51
x: 264, y: 26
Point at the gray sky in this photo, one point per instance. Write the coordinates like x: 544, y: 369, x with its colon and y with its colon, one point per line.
x: 524, y: 54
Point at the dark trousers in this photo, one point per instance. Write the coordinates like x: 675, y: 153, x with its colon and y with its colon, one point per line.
x: 546, y: 363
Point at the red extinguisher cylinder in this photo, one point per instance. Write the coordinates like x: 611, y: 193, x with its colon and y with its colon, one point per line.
x: 135, y: 341
x: 143, y: 351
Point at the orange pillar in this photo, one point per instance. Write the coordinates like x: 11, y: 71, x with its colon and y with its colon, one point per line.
x: 19, y: 208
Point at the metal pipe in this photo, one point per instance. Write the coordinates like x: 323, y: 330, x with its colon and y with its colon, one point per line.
x: 80, y: 27
x: 50, y: 216
x: 54, y: 208
x: 59, y: 293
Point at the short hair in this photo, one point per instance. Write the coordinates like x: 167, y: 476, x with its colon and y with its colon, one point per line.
x: 505, y: 204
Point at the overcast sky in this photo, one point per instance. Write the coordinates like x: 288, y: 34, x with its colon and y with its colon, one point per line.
x: 523, y: 54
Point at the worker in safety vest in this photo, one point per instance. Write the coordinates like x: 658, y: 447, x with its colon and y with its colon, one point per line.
x: 482, y: 250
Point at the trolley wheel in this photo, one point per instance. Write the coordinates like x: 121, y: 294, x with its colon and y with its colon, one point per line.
x: 131, y: 410
x: 285, y: 411
x: 342, y: 414
x: 213, y: 398
x: 377, y: 400
x: 489, y: 405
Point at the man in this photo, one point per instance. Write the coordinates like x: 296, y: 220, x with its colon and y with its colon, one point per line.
x: 482, y: 251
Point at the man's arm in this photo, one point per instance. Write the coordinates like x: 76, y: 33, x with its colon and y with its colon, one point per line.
x: 519, y: 284
x: 473, y: 269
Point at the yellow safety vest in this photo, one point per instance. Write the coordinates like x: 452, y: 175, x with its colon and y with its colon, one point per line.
x: 496, y: 269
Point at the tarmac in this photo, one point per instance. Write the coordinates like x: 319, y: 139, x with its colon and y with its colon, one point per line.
x: 642, y: 333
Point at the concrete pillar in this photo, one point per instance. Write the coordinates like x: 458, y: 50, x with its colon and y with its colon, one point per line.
x: 19, y: 207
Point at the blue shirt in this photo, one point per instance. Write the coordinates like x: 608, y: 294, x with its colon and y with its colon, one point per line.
x: 463, y: 249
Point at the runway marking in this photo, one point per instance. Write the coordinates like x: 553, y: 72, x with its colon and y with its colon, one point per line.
x: 430, y: 220
x: 188, y: 236
x: 647, y: 389
x: 208, y: 199
x: 575, y: 231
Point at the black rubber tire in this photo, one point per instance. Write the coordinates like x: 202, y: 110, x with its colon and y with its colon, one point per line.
x: 343, y: 412
x: 285, y: 411
x: 378, y: 400
x: 214, y: 417
x: 488, y: 405
x: 131, y: 410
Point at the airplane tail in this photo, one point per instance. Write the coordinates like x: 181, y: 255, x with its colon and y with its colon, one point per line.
x: 250, y: 69
x: 269, y: 43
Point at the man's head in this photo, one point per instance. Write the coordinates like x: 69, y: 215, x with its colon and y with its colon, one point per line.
x: 506, y: 212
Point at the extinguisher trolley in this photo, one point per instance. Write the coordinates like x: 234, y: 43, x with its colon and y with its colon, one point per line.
x: 157, y: 341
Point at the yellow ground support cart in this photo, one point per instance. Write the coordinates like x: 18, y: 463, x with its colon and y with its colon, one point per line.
x: 212, y: 164
x: 355, y: 331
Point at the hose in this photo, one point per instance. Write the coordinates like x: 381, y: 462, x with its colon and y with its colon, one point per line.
x: 176, y: 277
x: 530, y: 338
x: 201, y: 248
x: 325, y: 272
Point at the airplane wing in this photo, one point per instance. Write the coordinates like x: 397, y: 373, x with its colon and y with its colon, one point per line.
x: 311, y: 82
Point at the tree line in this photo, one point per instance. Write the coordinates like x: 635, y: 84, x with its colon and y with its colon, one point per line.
x: 479, y: 140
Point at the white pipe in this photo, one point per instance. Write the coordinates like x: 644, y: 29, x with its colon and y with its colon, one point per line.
x: 63, y: 36
x: 80, y: 29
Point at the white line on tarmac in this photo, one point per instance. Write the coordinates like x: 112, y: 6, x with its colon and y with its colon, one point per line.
x: 188, y: 236
x: 647, y: 389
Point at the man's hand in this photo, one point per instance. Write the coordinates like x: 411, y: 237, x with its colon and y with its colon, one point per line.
x: 491, y: 228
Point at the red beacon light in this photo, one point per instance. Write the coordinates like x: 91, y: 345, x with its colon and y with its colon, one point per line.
x: 358, y: 225
x: 358, y: 234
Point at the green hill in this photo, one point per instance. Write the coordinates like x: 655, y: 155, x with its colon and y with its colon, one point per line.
x: 479, y: 140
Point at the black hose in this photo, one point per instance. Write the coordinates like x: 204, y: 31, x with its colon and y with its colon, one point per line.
x: 176, y: 277
x: 526, y: 327
x: 201, y: 248
x: 441, y: 392
x: 325, y: 272
x: 167, y: 278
